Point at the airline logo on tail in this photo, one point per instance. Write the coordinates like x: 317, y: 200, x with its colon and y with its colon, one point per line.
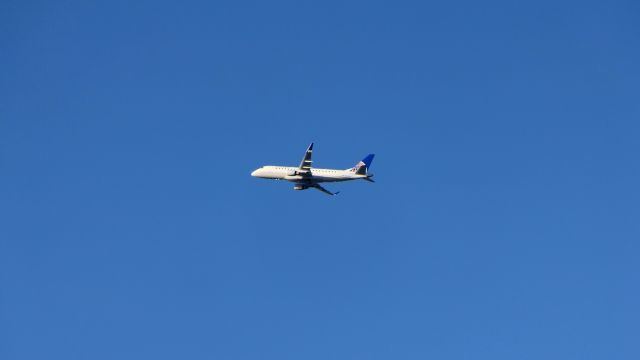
x: 358, y: 166
x: 363, y: 165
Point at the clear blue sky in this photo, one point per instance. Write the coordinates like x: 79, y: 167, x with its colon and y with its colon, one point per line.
x: 504, y: 223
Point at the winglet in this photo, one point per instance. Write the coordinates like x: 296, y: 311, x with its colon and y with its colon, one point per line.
x: 305, y: 164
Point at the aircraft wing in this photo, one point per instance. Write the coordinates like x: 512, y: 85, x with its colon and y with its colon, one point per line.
x: 316, y: 186
x: 305, y: 164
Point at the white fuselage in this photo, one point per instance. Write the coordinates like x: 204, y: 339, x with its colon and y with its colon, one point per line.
x: 293, y: 174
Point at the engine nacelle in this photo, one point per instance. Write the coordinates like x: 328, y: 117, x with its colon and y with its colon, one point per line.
x: 300, y: 187
x: 292, y: 173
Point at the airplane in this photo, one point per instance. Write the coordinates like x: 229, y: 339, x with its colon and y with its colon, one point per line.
x: 305, y: 177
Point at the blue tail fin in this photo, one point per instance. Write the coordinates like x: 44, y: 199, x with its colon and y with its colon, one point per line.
x: 363, y: 166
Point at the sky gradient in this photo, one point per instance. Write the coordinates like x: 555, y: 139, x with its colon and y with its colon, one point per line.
x: 503, y: 224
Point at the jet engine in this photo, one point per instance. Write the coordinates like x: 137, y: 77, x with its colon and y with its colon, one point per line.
x: 300, y: 187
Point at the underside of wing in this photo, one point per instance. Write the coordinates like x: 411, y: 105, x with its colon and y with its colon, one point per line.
x: 316, y: 186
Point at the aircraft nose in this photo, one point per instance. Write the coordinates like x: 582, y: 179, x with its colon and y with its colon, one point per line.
x: 254, y: 173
